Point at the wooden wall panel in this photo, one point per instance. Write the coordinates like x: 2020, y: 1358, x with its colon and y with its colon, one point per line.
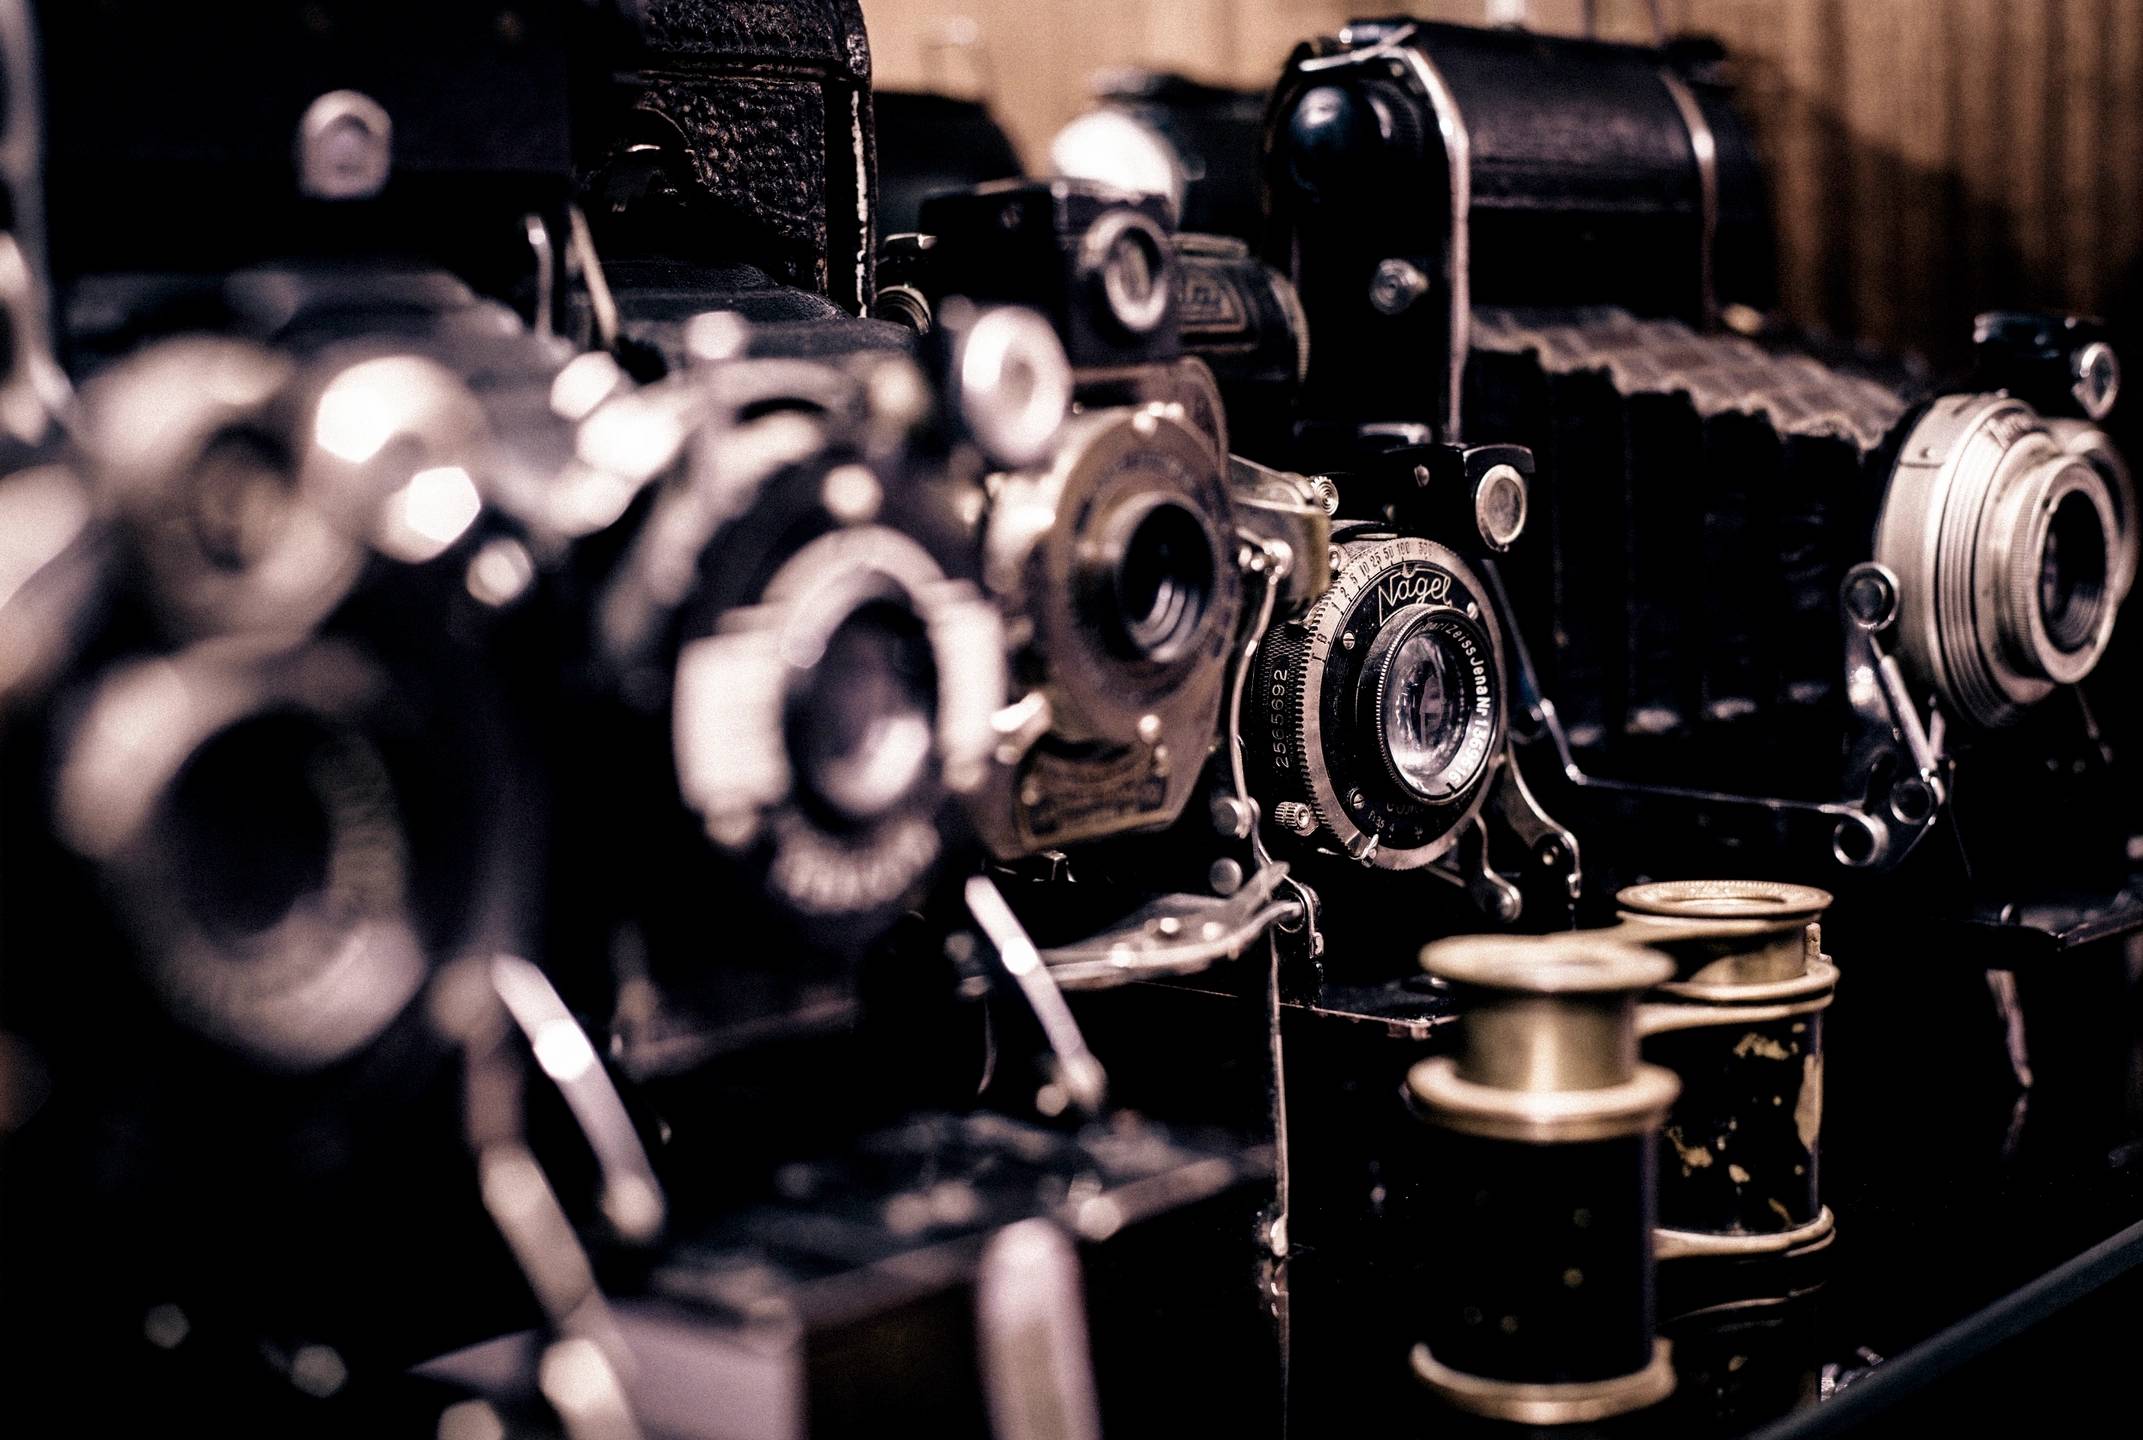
x: 1928, y: 157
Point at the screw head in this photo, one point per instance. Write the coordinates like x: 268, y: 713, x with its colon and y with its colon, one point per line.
x: 1225, y: 876
x: 1870, y: 596
x: 1396, y: 285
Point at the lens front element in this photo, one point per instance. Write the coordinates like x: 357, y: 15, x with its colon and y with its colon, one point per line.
x: 1163, y: 579
x: 2072, y: 573
x: 1434, y: 707
x: 861, y: 725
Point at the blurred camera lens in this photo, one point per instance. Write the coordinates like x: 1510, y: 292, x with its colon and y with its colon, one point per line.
x: 1163, y: 577
x: 186, y: 441
x: 861, y: 726
x: 1433, y: 707
x: 255, y: 819
x: 249, y: 812
x: 1011, y: 381
x: 1126, y: 257
x: 237, y: 496
x: 2072, y: 574
x: 1119, y: 149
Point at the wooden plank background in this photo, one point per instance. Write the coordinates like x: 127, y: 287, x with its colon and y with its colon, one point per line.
x: 1928, y: 158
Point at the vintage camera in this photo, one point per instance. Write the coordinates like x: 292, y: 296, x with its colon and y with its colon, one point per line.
x: 1379, y: 726
x: 1879, y: 610
x: 312, y: 451
x: 1114, y: 550
x: 1158, y: 133
x: 792, y: 678
x: 267, y: 791
x: 268, y: 763
x: 1104, y: 265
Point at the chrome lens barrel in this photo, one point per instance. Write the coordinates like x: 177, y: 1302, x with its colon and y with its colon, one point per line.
x: 2014, y: 546
x: 1378, y: 714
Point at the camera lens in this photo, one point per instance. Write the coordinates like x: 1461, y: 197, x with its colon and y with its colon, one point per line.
x: 1432, y: 705
x: 237, y: 496
x: 2072, y: 574
x: 1126, y: 256
x: 1162, y: 580
x: 251, y: 831
x: 247, y: 811
x: 1417, y: 710
x: 1120, y: 149
x: 2013, y: 542
x: 862, y: 724
x: 188, y: 440
x: 1381, y: 711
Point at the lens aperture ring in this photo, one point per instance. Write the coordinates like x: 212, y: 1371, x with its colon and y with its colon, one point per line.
x: 1403, y: 604
x: 2004, y: 595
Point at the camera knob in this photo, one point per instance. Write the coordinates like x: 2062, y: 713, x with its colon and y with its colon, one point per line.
x: 1339, y: 136
x: 1294, y: 816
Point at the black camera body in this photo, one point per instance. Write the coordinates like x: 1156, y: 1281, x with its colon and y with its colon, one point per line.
x: 314, y: 441
x: 789, y: 676
x: 1416, y: 170
x: 1765, y: 601
x: 729, y: 162
x: 1094, y: 262
x: 1193, y: 143
x: 431, y: 133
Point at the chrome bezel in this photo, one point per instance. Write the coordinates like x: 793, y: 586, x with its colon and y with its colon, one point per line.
x: 733, y: 686
x: 308, y: 990
x: 1963, y: 528
x: 1365, y: 563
